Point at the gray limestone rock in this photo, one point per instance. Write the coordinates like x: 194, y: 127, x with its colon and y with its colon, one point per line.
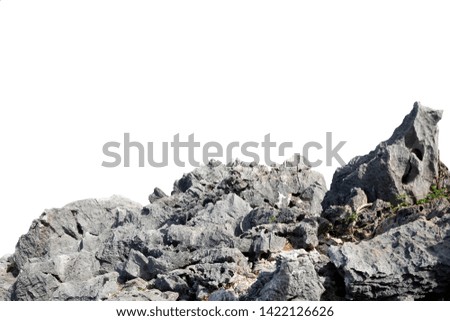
x: 308, y: 230
x: 7, y: 279
x: 136, y: 266
x: 268, y: 243
x: 222, y: 295
x: 156, y: 195
x: 171, y: 283
x: 250, y: 232
x: 295, y: 278
x: 411, y: 261
x: 138, y: 290
x: 406, y: 164
x: 100, y: 287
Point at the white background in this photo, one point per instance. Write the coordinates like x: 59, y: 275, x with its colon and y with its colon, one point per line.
x: 76, y: 74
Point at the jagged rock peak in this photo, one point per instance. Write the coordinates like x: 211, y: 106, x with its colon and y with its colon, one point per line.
x: 407, y: 164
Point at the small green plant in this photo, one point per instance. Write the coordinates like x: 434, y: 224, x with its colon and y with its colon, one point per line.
x: 435, y: 193
x: 422, y: 201
x: 401, y: 202
x: 272, y: 219
x: 438, y: 192
x: 401, y: 199
x: 353, y: 217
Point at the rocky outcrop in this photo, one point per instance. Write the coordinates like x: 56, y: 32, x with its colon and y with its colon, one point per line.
x: 190, y: 245
x: 408, y: 262
x: 406, y: 164
x: 395, y: 202
x: 249, y: 232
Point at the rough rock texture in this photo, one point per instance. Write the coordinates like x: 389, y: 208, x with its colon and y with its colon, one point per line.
x: 395, y: 201
x: 407, y: 163
x: 295, y: 278
x: 249, y: 232
x: 187, y: 246
x: 6, y: 278
x: 411, y: 261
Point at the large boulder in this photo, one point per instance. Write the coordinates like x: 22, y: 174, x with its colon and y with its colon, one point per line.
x: 405, y: 165
x: 60, y: 257
x: 295, y: 279
x: 407, y: 262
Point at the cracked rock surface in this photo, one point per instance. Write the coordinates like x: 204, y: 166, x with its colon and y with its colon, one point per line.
x: 250, y: 232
